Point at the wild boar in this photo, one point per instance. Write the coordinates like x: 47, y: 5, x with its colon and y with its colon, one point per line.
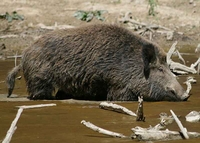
x: 97, y: 62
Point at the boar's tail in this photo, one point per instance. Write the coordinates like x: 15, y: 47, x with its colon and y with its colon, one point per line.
x: 11, y: 79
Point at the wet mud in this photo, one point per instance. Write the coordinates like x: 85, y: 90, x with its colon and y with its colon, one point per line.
x: 62, y: 122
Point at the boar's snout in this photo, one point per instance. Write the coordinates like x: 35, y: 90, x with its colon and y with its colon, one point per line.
x: 180, y: 95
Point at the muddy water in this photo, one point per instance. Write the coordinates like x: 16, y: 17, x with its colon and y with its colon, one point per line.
x: 62, y: 122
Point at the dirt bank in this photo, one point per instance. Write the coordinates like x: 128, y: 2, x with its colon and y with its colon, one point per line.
x: 179, y: 16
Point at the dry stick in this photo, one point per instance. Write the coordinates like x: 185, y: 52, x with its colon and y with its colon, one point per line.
x: 189, y: 86
x: 188, y: 83
x: 36, y: 106
x: 16, y: 59
x: 13, y: 125
x: 116, y: 108
x: 180, y: 57
x: 101, y: 130
x: 177, y: 66
x: 171, y: 51
x: 195, y: 64
x: 180, y: 67
x: 183, y: 130
x: 127, y: 18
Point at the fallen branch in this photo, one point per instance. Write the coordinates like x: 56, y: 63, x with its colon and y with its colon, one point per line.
x: 36, y: 106
x: 177, y: 67
x: 195, y: 64
x: 180, y: 57
x: 101, y: 130
x: 145, y: 134
x: 152, y: 134
x: 183, y: 130
x: 16, y: 59
x: 13, y: 126
x: 116, y: 108
x: 188, y: 83
x: 142, y: 27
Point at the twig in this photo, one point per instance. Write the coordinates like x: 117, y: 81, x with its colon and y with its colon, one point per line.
x: 13, y: 127
x: 101, y: 130
x: 183, y: 130
x: 180, y: 57
x: 188, y: 83
x: 171, y: 51
x: 36, y: 106
x: 116, y: 108
x: 16, y: 59
x: 127, y: 18
x: 195, y: 64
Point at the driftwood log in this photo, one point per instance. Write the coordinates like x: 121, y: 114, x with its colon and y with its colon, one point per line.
x: 155, y: 133
x: 101, y: 130
x: 183, y: 130
x: 116, y: 108
x: 177, y: 67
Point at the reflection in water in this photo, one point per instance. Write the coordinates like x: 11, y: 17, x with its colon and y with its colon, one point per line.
x: 62, y: 123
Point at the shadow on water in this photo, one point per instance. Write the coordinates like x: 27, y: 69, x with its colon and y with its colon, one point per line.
x: 62, y: 122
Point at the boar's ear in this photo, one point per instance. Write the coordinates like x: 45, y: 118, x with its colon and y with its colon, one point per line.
x: 149, y: 57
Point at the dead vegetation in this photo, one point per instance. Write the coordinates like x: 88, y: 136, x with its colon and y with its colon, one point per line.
x: 153, y: 133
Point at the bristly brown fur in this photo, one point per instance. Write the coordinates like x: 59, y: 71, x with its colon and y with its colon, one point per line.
x: 96, y: 62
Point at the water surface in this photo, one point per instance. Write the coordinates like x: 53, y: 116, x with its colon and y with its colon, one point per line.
x: 62, y: 122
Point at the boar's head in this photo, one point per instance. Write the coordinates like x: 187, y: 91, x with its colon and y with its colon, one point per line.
x: 162, y: 83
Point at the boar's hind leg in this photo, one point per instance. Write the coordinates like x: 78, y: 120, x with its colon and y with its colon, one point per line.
x: 40, y: 90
